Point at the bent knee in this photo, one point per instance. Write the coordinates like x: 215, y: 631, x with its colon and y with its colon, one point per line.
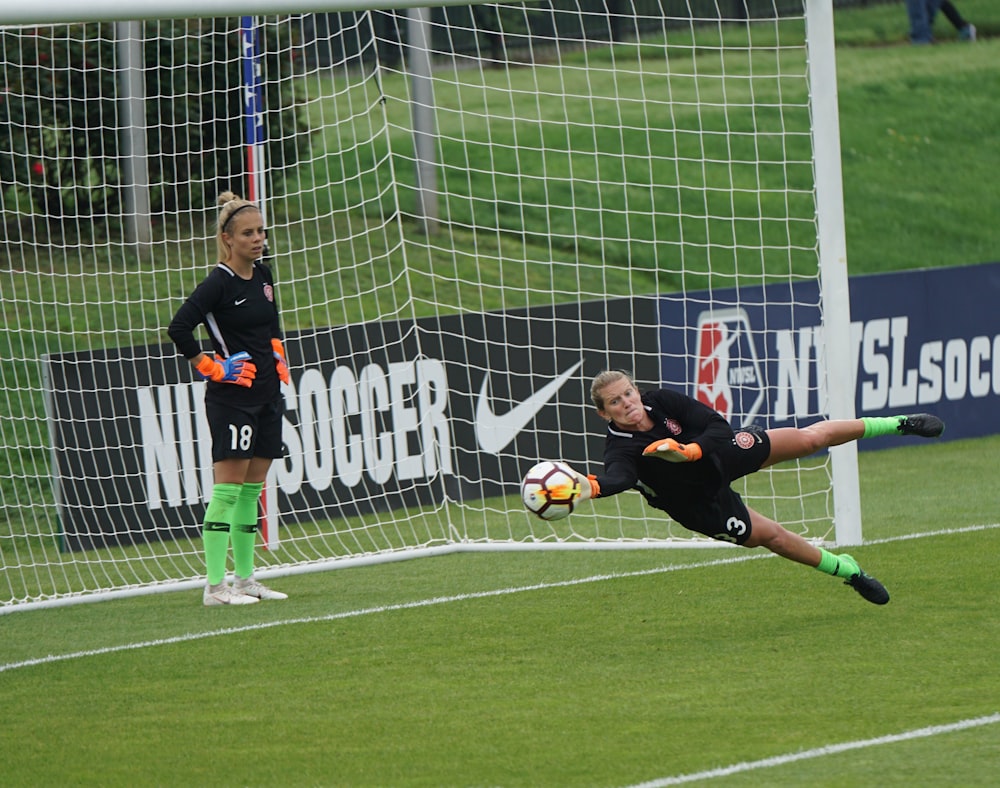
x: 766, y: 533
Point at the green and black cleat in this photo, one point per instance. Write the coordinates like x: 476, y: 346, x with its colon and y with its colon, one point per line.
x: 923, y: 424
x: 870, y: 588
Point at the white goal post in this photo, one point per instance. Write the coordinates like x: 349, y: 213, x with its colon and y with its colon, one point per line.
x: 472, y: 210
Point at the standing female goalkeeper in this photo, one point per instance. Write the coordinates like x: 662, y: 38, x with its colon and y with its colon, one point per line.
x: 683, y: 456
x: 243, y: 399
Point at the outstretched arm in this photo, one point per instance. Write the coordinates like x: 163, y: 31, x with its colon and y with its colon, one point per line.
x: 618, y: 477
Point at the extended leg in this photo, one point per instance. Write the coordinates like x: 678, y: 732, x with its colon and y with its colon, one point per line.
x: 769, y: 534
x: 791, y: 443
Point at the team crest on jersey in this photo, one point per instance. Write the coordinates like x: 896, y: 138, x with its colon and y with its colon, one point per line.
x: 269, y: 293
x: 673, y: 425
x: 745, y: 440
x: 727, y: 375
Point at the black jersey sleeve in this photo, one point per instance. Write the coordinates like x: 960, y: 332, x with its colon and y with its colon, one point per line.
x: 620, y: 472
x: 191, y: 314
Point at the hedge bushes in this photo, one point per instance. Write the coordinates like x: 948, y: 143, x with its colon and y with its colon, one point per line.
x: 60, y: 118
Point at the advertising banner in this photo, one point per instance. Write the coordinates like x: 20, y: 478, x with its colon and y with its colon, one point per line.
x: 920, y: 341
x: 397, y: 413
x: 378, y: 416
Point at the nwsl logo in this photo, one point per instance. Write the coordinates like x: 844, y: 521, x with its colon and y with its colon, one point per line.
x: 727, y: 375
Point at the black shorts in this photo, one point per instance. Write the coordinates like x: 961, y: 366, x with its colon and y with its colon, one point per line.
x: 748, y: 450
x: 721, y: 514
x: 242, y: 433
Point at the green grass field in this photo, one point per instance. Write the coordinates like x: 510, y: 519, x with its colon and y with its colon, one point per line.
x: 546, y: 669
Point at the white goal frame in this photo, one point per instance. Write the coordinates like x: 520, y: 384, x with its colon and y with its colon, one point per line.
x: 834, y: 387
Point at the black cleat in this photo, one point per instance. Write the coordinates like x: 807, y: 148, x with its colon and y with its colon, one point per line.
x: 870, y: 588
x: 923, y: 424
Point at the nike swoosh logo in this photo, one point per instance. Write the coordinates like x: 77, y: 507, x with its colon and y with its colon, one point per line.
x: 240, y: 301
x: 495, y: 432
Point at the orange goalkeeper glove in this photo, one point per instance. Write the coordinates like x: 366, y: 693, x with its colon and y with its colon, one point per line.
x: 280, y: 362
x: 589, y: 488
x: 235, y: 369
x: 670, y: 450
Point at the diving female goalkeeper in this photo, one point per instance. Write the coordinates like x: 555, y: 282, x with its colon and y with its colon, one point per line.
x: 683, y: 456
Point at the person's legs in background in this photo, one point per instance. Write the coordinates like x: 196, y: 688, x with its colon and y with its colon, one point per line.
x: 921, y: 14
x: 966, y: 30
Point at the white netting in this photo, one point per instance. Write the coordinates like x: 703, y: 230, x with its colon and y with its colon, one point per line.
x: 542, y: 193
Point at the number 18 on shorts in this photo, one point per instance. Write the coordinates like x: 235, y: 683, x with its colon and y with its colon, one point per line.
x: 242, y: 433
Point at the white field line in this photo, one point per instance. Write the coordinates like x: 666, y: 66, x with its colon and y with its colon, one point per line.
x: 441, y: 600
x: 819, y: 752
x: 192, y: 636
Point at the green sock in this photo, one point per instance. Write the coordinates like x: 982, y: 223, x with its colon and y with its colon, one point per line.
x: 215, y: 531
x: 880, y: 425
x: 244, y: 530
x: 837, y: 565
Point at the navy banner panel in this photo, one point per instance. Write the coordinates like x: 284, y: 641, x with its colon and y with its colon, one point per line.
x: 920, y: 341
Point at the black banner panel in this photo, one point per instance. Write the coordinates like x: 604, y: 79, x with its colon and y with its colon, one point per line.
x: 379, y: 416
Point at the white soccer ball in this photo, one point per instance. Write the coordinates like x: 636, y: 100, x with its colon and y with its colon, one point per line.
x: 550, y: 490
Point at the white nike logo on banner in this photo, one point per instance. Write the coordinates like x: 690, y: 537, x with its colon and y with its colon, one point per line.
x: 495, y: 432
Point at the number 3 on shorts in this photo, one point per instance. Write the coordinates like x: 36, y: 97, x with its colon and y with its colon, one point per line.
x: 241, y: 437
x: 736, y: 526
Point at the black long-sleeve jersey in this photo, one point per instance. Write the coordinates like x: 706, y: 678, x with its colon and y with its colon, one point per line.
x: 685, y: 420
x: 239, y: 315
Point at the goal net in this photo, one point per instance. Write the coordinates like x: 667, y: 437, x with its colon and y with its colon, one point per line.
x: 471, y: 211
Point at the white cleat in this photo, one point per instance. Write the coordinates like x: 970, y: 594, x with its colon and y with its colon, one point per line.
x: 255, y: 590
x: 223, y: 594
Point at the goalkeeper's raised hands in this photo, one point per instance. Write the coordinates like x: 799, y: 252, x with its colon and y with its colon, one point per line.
x: 236, y: 369
x: 670, y: 450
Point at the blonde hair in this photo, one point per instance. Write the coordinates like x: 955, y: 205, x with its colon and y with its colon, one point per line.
x: 603, y: 380
x: 231, y: 205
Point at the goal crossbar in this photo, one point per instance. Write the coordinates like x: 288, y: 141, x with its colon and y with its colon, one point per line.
x: 45, y: 12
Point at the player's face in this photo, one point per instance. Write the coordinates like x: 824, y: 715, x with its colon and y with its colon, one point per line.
x: 246, y: 236
x: 623, y: 405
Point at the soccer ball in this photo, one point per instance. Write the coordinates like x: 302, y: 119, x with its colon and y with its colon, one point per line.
x: 550, y: 490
